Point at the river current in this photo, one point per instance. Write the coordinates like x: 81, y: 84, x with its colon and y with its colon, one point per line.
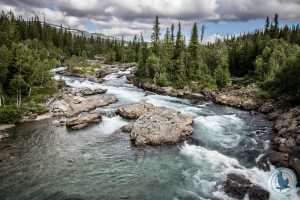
x: 45, y: 161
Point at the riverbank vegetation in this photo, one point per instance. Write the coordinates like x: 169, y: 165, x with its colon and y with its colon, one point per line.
x: 268, y: 57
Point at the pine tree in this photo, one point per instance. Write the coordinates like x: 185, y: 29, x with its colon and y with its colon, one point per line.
x: 156, y: 36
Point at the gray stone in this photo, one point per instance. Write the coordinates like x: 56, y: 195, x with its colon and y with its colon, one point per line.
x: 83, y: 121
x: 161, y: 126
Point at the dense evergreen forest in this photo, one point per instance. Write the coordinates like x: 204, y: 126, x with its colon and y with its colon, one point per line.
x: 269, y: 57
x: 30, y: 48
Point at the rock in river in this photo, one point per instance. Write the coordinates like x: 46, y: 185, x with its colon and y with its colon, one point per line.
x: 71, y: 106
x: 237, y: 186
x: 89, y: 92
x: 161, y: 126
x: 134, y: 111
x: 83, y: 121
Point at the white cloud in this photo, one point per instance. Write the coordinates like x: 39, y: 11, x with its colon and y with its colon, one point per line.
x: 128, y: 17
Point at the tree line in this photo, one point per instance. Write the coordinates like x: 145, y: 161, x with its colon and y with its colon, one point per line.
x: 269, y: 56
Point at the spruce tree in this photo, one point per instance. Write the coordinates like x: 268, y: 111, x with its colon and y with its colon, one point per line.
x: 194, y: 42
x: 156, y: 36
x: 167, y: 38
x: 276, y: 21
x: 202, y: 32
x: 179, y: 42
x: 172, y: 33
x: 267, y: 24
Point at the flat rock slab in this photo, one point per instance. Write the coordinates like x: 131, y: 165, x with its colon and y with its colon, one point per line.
x: 83, y: 121
x: 71, y: 106
x: 134, y: 111
x: 161, y: 126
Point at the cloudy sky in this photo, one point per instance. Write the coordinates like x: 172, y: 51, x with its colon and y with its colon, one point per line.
x: 129, y: 17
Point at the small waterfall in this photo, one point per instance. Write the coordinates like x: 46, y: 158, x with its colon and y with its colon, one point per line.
x: 109, y: 113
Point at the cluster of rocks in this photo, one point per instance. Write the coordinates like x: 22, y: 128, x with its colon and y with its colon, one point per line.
x: 155, y: 125
x: 71, y: 102
x: 110, y: 69
x: 76, y: 103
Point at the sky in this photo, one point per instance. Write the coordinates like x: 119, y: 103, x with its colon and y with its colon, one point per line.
x: 129, y: 17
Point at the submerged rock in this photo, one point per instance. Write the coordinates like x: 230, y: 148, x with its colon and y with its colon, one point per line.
x: 134, y: 111
x: 83, y: 121
x: 161, y: 126
x: 237, y: 186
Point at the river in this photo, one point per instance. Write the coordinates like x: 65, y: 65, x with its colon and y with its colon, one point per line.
x: 44, y: 161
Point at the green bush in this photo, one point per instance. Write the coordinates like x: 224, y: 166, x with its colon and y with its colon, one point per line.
x: 11, y: 114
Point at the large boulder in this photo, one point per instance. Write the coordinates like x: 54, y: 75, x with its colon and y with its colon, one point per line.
x: 237, y: 186
x: 161, y: 126
x: 134, y: 111
x: 83, y: 121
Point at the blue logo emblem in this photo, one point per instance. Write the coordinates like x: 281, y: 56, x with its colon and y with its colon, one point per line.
x: 282, y: 180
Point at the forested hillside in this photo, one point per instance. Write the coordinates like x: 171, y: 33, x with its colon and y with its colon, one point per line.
x: 269, y: 56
